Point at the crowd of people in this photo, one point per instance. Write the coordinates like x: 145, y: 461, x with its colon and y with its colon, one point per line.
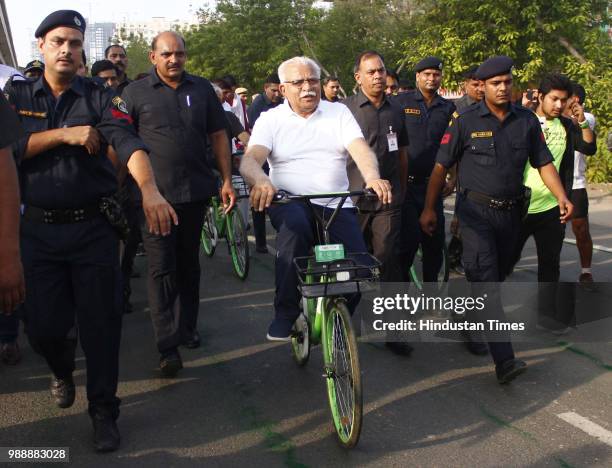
x: 88, y: 161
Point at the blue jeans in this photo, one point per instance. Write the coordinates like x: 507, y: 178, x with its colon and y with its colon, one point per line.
x: 295, y: 227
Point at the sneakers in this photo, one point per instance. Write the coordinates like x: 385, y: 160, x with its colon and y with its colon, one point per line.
x: 106, y: 433
x: 586, y: 281
x: 9, y: 353
x: 509, y: 370
x: 63, y: 391
x: 280, y: 330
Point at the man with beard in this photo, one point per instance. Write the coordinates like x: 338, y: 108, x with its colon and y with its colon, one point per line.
x: 117, y: 55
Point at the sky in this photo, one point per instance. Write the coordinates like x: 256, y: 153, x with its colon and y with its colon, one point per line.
x: 26, y: 15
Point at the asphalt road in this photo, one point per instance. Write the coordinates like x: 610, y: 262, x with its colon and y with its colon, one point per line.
x: 240, y: 401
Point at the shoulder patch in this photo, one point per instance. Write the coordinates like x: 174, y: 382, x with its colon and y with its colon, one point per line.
x: 120, y: 104
x: 455, y: 114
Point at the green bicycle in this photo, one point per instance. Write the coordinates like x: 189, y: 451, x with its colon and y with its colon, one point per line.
x: 324, y: 280
x: 230, y: 226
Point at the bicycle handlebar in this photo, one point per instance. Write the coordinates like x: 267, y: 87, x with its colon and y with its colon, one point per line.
x: 282, y: 196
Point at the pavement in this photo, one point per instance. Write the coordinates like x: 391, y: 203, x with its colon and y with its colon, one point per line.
x: 241, y: 401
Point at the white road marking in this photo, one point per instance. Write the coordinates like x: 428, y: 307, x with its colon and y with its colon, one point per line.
x: 587, y: 426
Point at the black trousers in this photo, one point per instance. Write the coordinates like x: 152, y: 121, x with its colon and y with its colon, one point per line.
x: 72, y: 272
x: 489, y: 240
x: 555, y: 300
x: 133, y: 213
x: 381, y: 230
x: 173, y: 279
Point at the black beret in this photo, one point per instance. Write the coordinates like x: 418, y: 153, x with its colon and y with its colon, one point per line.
x: 68, y: 18
x: 494, y: 66
x: 428, y: 63
x: 102, y: 65
x: 33, y: 65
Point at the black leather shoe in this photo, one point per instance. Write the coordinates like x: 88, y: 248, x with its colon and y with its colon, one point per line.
x: 106, y: 433
x: 477, y: 348
x: 509, y: 370
x: 400, y: 348
x: 63, y: 391
x: 192, y: 341
x: 263, y: 249
x: 170, y: 363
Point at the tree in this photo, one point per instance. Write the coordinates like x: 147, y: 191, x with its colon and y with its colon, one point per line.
x: 137, y: 50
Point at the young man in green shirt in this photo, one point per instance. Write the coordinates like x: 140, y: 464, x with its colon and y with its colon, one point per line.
x: 563, y: 137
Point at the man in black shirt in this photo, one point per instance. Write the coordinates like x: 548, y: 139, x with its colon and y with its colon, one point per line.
x: 271, y: 97
x: 70, y: 249
x: 175, y: 114
x: 117, y: 55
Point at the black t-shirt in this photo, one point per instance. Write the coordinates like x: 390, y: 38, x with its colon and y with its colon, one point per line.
x: 10, y: 130
x: 175, y: 124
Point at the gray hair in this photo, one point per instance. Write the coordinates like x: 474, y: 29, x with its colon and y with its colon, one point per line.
x: 282, y: 69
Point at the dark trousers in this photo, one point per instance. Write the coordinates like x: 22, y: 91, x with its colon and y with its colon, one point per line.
x: 9, y: 327
x: 133, y: 213
x: 489, y: 239
x: 72, y: 272
x: 412, y: 235
x: 173, y: 279
x: 555, y: 300
x: 381, y: 230
x: 294, y: 224
x: 259, y: 227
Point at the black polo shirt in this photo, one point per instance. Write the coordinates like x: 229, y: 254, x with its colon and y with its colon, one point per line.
x: 425, y: 127
x: 375, y: 124
x: 259, y: 105
x: 492, y: 154
x: 68, y: 176
x: 175, y: 123
x: 10, y: 130
x: 121, y: 86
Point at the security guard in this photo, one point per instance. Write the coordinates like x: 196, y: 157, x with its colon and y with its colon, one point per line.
x: 426, y: 116
x: 34, y: 69
x: 69, y: 238
x: 492, y: 142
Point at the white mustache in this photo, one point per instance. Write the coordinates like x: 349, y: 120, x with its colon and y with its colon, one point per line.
x: 308, y: 93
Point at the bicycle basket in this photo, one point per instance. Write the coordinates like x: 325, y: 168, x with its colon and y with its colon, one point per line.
x: 358, y: 272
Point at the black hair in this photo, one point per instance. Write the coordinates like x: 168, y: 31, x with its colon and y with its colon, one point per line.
x: 272, y: 79
x: 470, y: 73
x: 392, y: 74
x: 102, y: 65
x: 230, y: 80
x: 329, y: 78
x: 365, y: 54
x: 154, y: 41
x: 221, y: 83
x: 579, y: 91
x: 106, y: 51
x: 555, y: 81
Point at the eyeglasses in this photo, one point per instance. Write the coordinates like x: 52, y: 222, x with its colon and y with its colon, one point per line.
x: 300, y: 83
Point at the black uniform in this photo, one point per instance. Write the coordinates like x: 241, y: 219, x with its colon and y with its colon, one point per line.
x: 69, y: 250
x: 424, y: 127
x: 174, y: 123
x: 381, y: 227
x: 491, y: 157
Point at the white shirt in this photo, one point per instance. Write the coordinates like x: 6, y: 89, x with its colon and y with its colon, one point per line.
x: 308, y: 155
x: 580, y: 159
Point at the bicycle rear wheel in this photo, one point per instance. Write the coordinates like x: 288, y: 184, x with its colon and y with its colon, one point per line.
x: 209, y: 236
x: 300, y: 340
x: 239, y: 243
x: 343, y: 374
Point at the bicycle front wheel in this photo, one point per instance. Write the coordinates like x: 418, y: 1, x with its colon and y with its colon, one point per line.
x: 209, y: 235
x: 343, y: 374
x: 239, y: 243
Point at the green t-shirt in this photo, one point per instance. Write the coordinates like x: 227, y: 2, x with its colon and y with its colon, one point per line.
x: 542, y: 199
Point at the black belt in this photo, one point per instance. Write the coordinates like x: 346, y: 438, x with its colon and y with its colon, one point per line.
x: 72, y: 215
x: 493, y: 202
x: 415, y: 179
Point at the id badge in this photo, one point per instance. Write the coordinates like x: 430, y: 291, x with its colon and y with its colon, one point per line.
x: 392, y: 140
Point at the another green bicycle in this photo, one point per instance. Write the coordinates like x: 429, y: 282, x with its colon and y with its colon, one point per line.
x: 324, y: 280
x: 217, y: 225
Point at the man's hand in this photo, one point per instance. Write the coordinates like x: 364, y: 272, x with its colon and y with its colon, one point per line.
x: 566, y: 209
x: 228, y: 196
x: 158, y: 211
x: 262, y: 194
x: 577, y: 112
x: 83, y: 135
x: 382, y: 188
x: 428, y: 221
x: 12, y: 284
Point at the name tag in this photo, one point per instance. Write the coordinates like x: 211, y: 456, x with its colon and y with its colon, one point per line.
x: 392, y: 140
x: 28, y: 113
x: 409, y: 110
x: 482, y: 134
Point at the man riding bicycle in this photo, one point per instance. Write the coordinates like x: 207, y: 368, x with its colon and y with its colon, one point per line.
x: 306, y: 142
